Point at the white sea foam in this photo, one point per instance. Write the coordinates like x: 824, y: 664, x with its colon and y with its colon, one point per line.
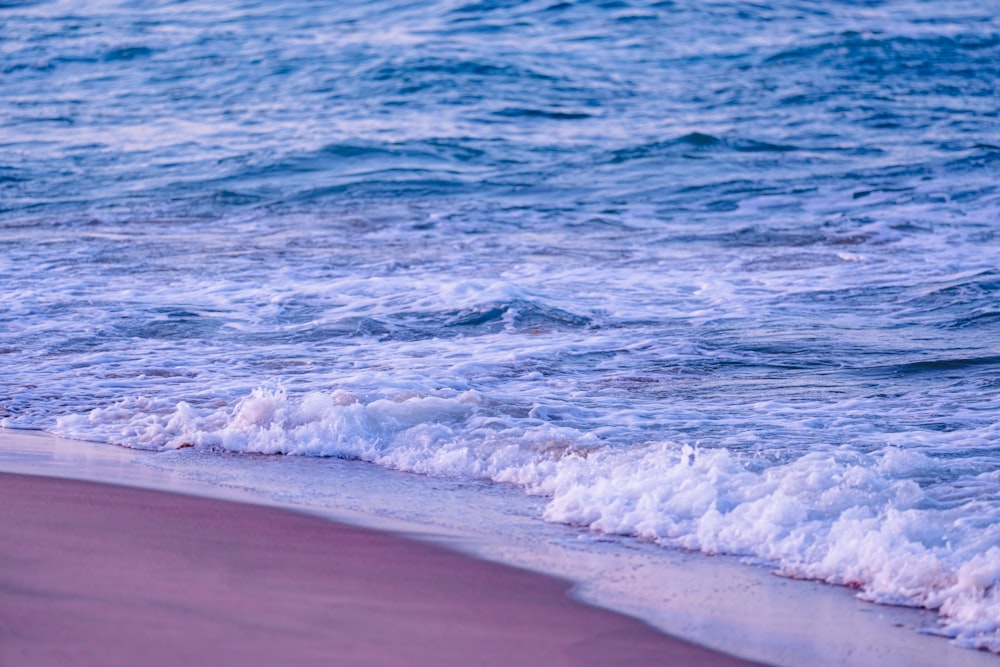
x: 837, y: 515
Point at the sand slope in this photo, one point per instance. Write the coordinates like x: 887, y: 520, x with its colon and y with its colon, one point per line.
x: 94, y: 574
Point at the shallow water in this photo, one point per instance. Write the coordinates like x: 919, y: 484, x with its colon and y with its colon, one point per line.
x: 718, y: 275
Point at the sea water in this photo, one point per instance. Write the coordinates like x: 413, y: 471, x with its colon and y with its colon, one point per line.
x: 721, y: 276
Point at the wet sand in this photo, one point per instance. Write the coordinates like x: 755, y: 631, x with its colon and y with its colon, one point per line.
x: 94, y: 574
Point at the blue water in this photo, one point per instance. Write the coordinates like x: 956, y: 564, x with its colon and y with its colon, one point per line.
x: 720, y: 275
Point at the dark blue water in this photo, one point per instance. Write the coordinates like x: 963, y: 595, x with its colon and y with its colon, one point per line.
x: 574, y: 110
x: 723, y: 275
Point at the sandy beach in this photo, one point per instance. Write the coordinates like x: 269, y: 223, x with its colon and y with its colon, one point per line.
x: 96, y: 574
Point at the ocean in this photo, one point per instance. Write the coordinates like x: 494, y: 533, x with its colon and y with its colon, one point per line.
x: 715, y: 275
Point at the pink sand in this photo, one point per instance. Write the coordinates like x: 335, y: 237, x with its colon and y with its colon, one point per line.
x: 93, y: 574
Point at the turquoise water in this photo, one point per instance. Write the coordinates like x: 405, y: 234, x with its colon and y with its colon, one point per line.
x: 719, y: 275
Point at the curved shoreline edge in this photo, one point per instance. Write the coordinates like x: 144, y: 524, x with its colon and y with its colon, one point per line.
x: 714, y: 601
x: 102, y: 574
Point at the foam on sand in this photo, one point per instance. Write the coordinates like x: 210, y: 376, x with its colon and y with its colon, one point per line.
x: 716, y: 601
x: 121, y: 576
x: 833, y: 514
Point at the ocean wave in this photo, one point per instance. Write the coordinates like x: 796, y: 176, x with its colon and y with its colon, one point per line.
x: 863, y: 520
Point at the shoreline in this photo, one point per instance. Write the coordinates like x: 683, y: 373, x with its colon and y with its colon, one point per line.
x: 102, y: 574
x: 715, y: 601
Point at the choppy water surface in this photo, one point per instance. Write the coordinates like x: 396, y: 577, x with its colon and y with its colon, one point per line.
x: 721, y: 275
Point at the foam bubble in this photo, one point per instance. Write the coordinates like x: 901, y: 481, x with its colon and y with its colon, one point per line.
x: 837, y: 515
